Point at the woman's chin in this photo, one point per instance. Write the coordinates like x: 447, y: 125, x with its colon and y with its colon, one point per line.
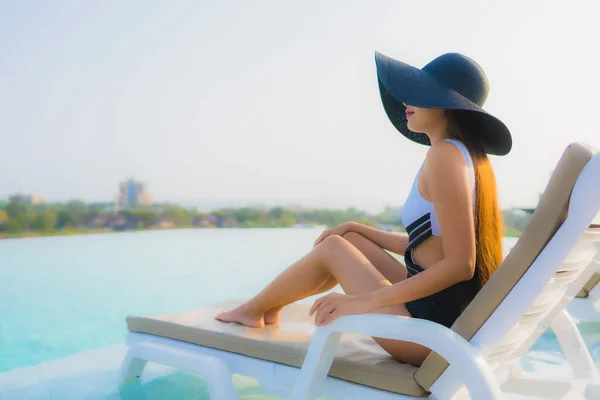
x: 413, y: 129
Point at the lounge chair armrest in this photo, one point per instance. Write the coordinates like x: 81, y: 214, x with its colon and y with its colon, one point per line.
x: 480, y: 381
x: 415, y: 330
x: 447, y: 343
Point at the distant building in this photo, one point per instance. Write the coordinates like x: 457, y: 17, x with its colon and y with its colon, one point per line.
x: 164, y: 223
x: 99, y: 221
x: 229, y: 222
x: 209, y: 221
x: 132, y: 193
x: 119, y: 222
x: 27, y: 198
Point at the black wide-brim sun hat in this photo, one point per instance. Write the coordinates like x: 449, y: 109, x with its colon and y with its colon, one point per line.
x: 452, y: 81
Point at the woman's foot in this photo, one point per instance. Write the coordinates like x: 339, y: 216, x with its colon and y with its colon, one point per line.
x: 272, y: 316
x: 243, y: 315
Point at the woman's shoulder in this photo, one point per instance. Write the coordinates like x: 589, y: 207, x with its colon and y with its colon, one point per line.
x: 445, y: 154
x: 446, y: 165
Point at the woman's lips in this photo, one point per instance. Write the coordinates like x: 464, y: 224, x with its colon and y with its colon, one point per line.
x: 409, y: 113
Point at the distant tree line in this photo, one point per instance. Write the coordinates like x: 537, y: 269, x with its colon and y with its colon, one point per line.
x: 17, y: 217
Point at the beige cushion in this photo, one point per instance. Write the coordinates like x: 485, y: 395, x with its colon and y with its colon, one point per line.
x: 590, y: 284
x: 547, y: 218
x: 358, y: 359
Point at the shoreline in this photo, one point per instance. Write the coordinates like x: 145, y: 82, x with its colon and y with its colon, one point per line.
x: 83, y: 232
x: 77, y: 232
x: 35, y: 234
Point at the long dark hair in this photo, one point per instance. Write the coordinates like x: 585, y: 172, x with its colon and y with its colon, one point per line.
x: 488, y: 217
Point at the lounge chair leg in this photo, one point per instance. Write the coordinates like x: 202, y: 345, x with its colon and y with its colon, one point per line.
x: 449, y: 386
x: 592, y: 391
x: 316, y: 366
x: 131, y: 368
x: 574, y: 347
x: 581, y: 390
x: 213, y: 370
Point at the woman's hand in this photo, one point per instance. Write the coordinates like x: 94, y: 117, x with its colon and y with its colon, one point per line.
x: 339, y: 230
x: 329, y: 308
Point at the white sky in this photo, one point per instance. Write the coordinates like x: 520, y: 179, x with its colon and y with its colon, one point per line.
x: 238, y: 102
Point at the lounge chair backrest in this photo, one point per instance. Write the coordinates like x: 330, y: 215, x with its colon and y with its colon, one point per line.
x: 546, y: 268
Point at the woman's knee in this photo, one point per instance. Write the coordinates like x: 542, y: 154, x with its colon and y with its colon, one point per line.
x: 331, y: 244
x: 334, y: 241
x: 353, y: 237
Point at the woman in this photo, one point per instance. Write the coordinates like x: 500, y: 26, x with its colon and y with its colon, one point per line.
x: 451, y: 215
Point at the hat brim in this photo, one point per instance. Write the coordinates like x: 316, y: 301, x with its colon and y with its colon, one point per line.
x: 402, y: 83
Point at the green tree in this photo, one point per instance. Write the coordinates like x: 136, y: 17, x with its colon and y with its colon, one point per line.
x: 366, y: 221
x: 73, y: 214
x: 80, y: 211
x: 243, y: 215
x: 45, y: 221
x: 18, y: 216
x: 221, y: 214
x: 179, y: 215
x: 276, y: 212
x: 67, y: 218
x: 145, y: 217
x: 286, y: 221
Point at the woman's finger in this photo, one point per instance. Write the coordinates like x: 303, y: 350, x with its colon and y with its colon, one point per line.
x: 321, y: 237
x: 323, y: 312
x: 316, y: 304
x: 318, y: 239
x: 331, y: 317
x: 322, y: 304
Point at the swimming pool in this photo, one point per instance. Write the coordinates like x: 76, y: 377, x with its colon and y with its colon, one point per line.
x: 61, y: 296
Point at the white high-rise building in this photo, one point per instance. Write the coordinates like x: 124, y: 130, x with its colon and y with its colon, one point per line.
x: 132, y: 193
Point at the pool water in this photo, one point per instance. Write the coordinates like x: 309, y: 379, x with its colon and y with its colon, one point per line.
x: 60, y: 296
x: 63, y: 295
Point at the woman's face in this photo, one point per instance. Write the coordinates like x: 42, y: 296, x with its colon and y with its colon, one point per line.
x: 425, y: 120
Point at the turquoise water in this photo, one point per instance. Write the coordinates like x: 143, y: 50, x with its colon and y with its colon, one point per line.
x: 64, y: 295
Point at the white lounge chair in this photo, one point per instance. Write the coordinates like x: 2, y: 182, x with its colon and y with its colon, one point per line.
x: 480, y: 354
x: 586, y: 305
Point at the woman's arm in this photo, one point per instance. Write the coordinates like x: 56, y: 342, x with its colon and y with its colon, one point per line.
x: 446, y: 176
x: 392, y: 241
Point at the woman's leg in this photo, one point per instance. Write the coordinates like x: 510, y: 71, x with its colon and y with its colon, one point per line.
x: 392, y: 269
x: 298, y: 281
x: 336, y: 257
